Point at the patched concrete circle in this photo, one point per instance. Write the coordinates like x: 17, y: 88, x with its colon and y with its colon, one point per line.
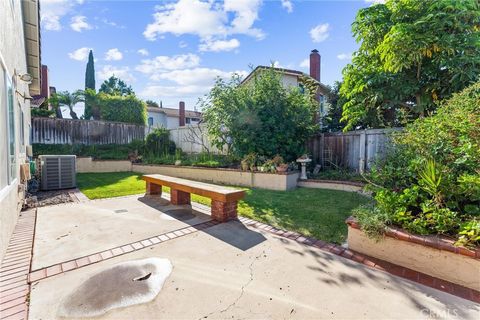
x: 122, y: 285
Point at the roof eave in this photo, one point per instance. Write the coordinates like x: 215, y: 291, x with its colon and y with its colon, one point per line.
x: 31, y: 27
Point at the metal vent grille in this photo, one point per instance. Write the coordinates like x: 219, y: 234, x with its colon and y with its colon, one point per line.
x: 58, y: 172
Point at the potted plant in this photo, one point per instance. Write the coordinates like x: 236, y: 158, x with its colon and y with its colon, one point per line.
x: 280, y: 165
x: 249, y: 162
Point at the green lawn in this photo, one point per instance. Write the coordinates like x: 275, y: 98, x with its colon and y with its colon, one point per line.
x: 312, y: 212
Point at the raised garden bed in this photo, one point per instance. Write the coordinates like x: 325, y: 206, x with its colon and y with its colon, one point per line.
x: 351, y: 186
x: 433, y: 255
x: 235, y: 177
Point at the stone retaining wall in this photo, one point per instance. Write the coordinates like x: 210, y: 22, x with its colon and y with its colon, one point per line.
x: 271, y: 181
x: 432, y: 255
x: 232, y: 177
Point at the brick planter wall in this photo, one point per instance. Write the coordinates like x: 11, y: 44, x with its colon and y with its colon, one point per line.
x: 434, y: 255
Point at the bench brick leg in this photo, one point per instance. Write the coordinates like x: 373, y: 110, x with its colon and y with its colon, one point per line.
x: 224, y: 211
x: 153, y: 189
x: 178, y: 197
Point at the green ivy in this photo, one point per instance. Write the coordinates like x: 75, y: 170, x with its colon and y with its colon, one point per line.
x: 127, y: 109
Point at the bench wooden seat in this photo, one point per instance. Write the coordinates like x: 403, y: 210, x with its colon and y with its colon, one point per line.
x: 224, y: 199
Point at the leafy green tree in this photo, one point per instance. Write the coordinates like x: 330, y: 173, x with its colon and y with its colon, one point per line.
x: 127, y: 108
x: 413, y: 53
x: 331, y: 122
x: 259, y: 117
x: 89, y: 84
x: 151, y: 103
x: 70, y: 100
x: 116, y: 87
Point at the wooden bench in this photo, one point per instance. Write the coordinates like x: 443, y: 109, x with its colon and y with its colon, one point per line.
x: 224, y: 199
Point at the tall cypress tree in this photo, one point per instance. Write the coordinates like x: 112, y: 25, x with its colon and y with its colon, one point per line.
x: 89, y: 84
x: 90, y: 73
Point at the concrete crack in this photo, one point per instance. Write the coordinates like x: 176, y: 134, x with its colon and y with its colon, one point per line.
x: 250, y: 267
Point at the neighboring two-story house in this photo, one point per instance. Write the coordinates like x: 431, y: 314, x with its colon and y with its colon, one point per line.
x: 292, y: 78
x: 20, y: 78
x: 171, y: 118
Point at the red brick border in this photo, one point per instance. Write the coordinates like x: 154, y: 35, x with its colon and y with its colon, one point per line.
x: 14, y: 288
x: 377, y: 264
x: 436, y: 242
x: 77, y: 263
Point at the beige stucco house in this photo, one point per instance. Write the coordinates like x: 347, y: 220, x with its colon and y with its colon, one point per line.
x: 19, y: 80
x: 171, y: 118
x: 292, y: 78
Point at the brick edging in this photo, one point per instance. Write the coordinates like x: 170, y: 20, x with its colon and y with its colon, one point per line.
x: 432, y: 241
x: 374, y: 263
x: 15, y: 267
x: 76, y: 263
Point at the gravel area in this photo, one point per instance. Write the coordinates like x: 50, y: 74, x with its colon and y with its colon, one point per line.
x: 48, y: 198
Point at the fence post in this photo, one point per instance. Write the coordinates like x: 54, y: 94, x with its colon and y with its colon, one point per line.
x: 361, y: 151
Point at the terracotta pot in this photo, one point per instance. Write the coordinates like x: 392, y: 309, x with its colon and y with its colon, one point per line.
x: 282, y: 168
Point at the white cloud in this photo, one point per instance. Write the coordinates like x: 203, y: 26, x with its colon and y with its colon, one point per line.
x: 196, y: 76
x: 51, y: 12
x: 375, y: 1
x: 113, y: 55
x: 209, y: 20
x: 320, y: 32
x: 143, y: 52
x: 344, y: 56
x: 287, y: 5
x: 219, y: 45
x: 79, y: 23
x: 305, y: 63
x: 165, y: 63
x: 187, y: 17
x: 189, y: 83
x: 80, y: 54
x: 107, y: 71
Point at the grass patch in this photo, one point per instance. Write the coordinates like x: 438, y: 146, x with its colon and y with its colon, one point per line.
x: 313, y: 212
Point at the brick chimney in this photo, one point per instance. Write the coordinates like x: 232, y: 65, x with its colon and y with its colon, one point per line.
x: 181, y: 114
x: 315, y: 65
x: 44, y: 87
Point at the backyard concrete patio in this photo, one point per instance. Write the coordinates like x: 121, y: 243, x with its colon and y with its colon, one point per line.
x: 223, y: 271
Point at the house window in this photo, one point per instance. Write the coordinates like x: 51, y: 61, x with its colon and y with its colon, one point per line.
x: 322, y: 105
x: 22, y: 127
x: 188, y: 120
x: 150, y: 121
x: 12, y: 163
x: 301, y: 87
x: 3, y: 129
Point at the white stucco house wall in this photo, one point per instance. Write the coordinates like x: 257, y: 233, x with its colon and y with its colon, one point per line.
x: 171, y: 118
x: 19, y: 61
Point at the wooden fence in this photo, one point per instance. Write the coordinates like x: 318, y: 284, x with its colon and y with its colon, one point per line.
x: 354, y: 150
x: 67, y: 131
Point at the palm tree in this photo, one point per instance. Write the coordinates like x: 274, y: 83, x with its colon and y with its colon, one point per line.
x: 70, y: 100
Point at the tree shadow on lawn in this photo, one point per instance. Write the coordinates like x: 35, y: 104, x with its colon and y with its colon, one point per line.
x: 316, y: 213
x: 330, y: 275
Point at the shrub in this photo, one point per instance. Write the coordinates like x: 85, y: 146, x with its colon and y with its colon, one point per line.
x: 99, y: 151
x: 430, y: 182
x: 261, y: 116
x: 127, y: 109
x: 44, y: 113
x: 158, y: 143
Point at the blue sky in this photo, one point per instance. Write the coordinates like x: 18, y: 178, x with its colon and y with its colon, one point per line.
x: 172, y: 50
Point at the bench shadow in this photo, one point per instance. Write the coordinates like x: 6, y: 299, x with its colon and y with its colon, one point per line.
x: 233, y: 232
